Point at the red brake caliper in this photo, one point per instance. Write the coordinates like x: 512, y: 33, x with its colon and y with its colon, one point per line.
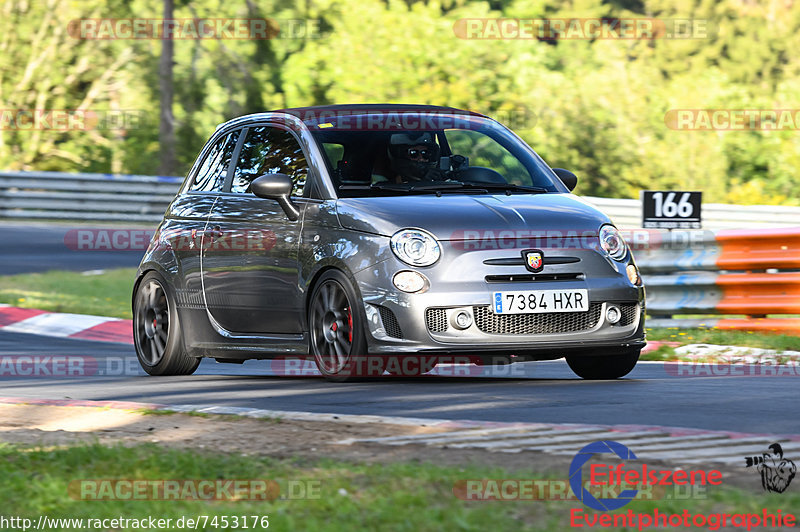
x: 349, y: 326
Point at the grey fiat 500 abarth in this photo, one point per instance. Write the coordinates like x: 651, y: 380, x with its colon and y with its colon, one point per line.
x: 383, y: 239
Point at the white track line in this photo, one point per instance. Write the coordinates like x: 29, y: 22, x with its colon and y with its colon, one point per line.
x: 545, y: 442
x: 444, y: 439
x: 727, y: 453
x: 427, y: 438
x: 652, y: 445
x: 681, y: 443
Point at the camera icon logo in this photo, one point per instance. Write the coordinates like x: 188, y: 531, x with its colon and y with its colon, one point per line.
x: 776, y: 471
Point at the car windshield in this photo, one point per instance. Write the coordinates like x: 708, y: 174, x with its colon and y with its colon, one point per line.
x: 403, y: 153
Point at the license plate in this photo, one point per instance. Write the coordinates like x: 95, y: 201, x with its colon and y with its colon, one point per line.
x: 540, y: 301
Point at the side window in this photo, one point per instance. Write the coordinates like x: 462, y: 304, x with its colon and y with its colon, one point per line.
x: 268, y: 150
x: 211, y: 176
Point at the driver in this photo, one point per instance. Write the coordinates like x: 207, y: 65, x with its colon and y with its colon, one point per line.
x: 413, y: 157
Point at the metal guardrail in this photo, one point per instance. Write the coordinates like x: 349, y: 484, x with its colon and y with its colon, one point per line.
x: 755, y: 273
x: 111, y: 197
x: 100, y: 197
x: 627, y: 213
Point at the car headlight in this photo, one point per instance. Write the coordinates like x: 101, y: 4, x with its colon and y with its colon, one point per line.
x: 415, y: 247
x: 612, y: 242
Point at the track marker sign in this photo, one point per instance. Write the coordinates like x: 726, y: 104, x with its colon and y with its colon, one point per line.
x: 669, y: 209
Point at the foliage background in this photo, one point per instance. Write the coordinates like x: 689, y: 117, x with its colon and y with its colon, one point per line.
x: 595, y: 107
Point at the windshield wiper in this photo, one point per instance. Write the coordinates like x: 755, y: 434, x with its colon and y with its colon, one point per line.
x: 455, y: 185
x: 509, y: 187
x: 388, y: 187
x: 405, y: 187
x: 446, y: 185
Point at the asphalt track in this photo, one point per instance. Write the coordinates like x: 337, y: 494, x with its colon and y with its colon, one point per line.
x: 543, y: 392
x: 531, y: 392
x: 33, y: 247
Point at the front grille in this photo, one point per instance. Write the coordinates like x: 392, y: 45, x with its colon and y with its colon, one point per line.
x: 553, y: 323
x: 629, y: 313
x: 532, y: 278
x: 519, y: 261
x: 436, y: 319
x: 390, y: 324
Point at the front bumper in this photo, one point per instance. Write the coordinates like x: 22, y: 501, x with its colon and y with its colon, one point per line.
x: 422, y: 323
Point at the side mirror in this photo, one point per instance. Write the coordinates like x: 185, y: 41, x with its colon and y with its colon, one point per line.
x: 567, y: 177
x: 277, y: 187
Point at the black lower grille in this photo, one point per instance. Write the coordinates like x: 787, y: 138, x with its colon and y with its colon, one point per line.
x: 390, y: 324
x: 553, y: 323
x: 532, y: 278
x: 436, y: 319
x: 629, y: 313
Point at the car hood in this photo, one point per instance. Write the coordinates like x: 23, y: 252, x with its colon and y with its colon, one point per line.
x: 459, y: 217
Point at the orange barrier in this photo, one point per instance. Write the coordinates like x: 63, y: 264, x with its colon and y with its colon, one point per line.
x: 759, y: 293
x: 750, y: 272
x: 759, y: 249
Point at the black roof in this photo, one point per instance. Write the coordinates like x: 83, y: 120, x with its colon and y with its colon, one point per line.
x: 313, y: 114
x: 370, y: 108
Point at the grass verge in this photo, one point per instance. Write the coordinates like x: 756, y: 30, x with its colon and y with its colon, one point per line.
x: 383, y: 496
x: 106, y: 294
x: 779, y: 342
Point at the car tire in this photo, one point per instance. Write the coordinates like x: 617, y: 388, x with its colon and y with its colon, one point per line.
x: 157, y: 333
x: 337, y: 331
x: 604, y: 367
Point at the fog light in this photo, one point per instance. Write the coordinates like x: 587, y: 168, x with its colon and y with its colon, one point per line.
x: 613, y: 314
x: 462, y: 320
x: 409, y: 281
x: 633, y: 275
